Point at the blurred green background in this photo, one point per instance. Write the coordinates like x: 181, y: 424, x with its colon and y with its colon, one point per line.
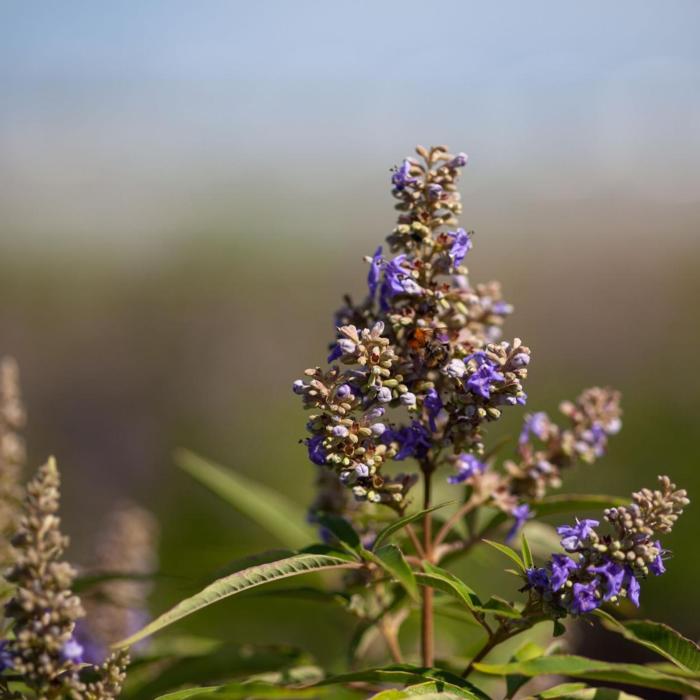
x: 188, y: 189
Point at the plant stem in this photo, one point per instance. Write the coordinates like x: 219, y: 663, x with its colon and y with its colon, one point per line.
x: 472, y: 503
x: 427, y: 647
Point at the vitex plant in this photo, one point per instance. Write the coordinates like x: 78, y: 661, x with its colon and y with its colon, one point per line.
x: 417, y: 372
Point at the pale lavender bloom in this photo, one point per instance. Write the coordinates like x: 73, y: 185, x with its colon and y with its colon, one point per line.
x: 632, y: 586
x: 298, y: 387
x: 396, y: 281
x: 562, y: 566
x: 408, y: 399
x: 459, y: 161
x: 468, y: 465
x: 461, y: 245
x: 574, y: 537
x: 384, y: 395
x: 536, y: 424
x: 521, y: 514
x: 362, y: 470
x: 613, y: 574
x: 340, y: 431
x: 434, y: 191
x: 401, y: 177
x: 343, y: 391
x: 433, y: 406
x: 72, y: 651
x: 378, y: 429
x: 456, y: 369
x: 584, y: 597
x: 480, y: 381
x: 375, y: 267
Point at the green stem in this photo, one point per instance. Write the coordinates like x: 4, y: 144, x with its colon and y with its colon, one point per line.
x: 427, y: 633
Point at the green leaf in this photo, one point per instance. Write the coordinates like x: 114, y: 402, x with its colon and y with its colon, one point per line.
x: 498, y: 606
x: 527, y: 651
x: 390, y: 558
x: 505, y: 549
x: 580, y: 667
x: 660, y: 638
x: 397, y: 525
x: 343, y: 531
x: 432, y: 690
x: 240, y: 581
x: 447, y: 582
x: 580, y: 691
x: 224, y: 663
x: 542, y: 539
x: 240, y: 691
x: 575, y: 503
x: 403, y: 674
x: 281, y: 517
x: 527, y: 554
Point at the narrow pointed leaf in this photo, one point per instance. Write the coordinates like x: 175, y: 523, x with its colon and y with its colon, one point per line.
x: 432, y: 690
x: 509, y: 552
x: 403, y: 674
x: 244, y: 580
x: 499, y: 606
x: 447, y: 582
x: 397, y: 525
x: 580, y: 691
x: 390, y: 558
x: 660, y: 638
x: 526, y: 553
x: 580, y: 667
x: 342, y: 530
x: 270, y: 509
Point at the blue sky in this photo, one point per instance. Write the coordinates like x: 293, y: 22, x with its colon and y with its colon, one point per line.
x: 158, y: 100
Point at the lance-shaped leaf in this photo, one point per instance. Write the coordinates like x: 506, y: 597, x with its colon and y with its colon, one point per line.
x: 244, y: 580
x: 242, y: 691
x: 447, y: 582
x: 403, y: 674
x: 342, y: 530
x: 580, y: 667
x: 275, y: 513
x: 660, y: 638
x: 431, y: 690
x: 390, y: 558
x: 509, y: 552
x: 397, y: 525
x: 526, y: 553
x: 580, y: 691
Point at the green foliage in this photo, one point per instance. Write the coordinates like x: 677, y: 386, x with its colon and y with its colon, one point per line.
x: 580, y: 667
x: 399, y: 524
x: 509, y: 552
x: 281, y: 517
x: 580, y: 691
x: 660, y: 638
x: 240, y: 581
x: 390, y: 558
x: 432, y: 690
x: 443, y: 580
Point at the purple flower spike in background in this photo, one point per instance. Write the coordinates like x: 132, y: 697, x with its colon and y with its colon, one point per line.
x: 521, y: 514
x: 461, y: 245
x: 467, y: 465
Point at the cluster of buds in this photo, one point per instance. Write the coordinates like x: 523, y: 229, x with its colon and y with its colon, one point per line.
x: 12, y: 453
x: 544, y: 448
x: 433, y: 350
x: 351, y: 400
x: 117, y: 609
x: 43, y: 649
x: 606, y: 568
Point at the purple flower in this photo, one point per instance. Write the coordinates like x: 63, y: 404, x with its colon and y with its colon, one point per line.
x: 343, y: 391
x: 340, y: 431
x: 413, y: 439
x: 584, y: 597
x: 461, y: 245
x: 396, y: 281
x: 434, y: 191
x: 316, y: 452
x: 459, y: 161
x: 401, y: 178
x: 538, y: 578
x: 657, y: 566
x: 375, y: 267
x: 6, y: 659
x: 632, y: 586
x: 562, y: 566
x: 433, y: 405
x: 298, y: 387
x: 336, y: 352
x: 384, y: 394
x: 536, y: 424
x: 521, y: 514
x: 72, y: 651
x: 573, y: 537
x: 612, y: 574
x: 502, y: 308
x: 467, y: 465
x: 480, y: 381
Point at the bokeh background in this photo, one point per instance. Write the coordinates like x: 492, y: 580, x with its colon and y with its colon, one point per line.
x: 188, y: 188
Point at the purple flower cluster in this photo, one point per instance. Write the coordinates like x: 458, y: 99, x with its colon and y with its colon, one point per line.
x: 596, y: 569
x: 468, y: 466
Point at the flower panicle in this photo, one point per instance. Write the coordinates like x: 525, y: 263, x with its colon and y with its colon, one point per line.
x: 43, y: 610
x: 599, y: 568
x: 12, y: 452
x: 545, y: 448
x: 424, y: 343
